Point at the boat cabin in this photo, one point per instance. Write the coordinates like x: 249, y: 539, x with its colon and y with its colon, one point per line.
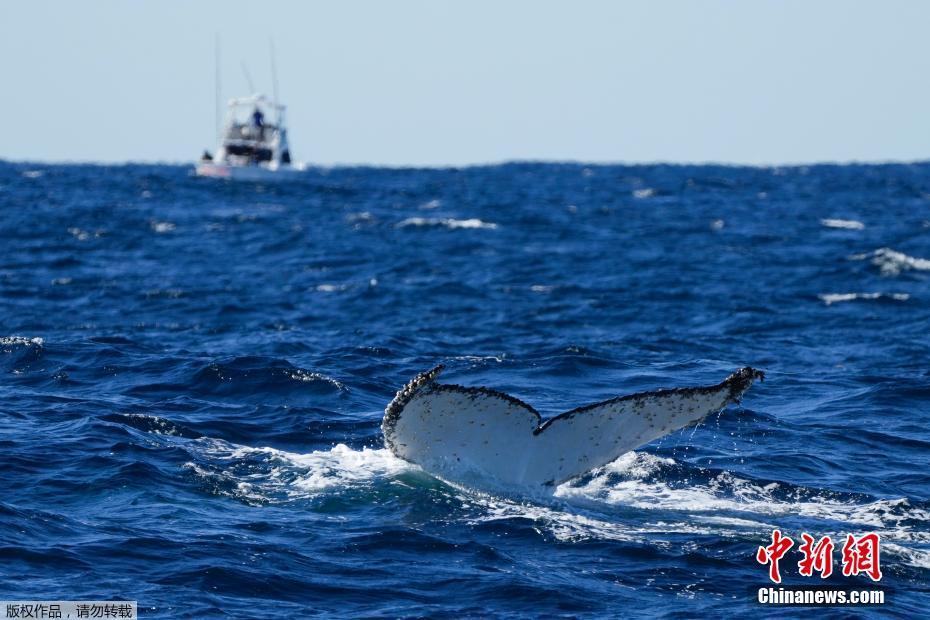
x: 253, y: 134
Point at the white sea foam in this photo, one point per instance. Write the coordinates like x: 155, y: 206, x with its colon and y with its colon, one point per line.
x: 447, y: 222
x: 918, y: 558
x: 361, y: 216
x: 330, y: 288
x: 892, y: 263
x: 298, y: 476
x: 754, y: 504
x: 342, y: 465
x: 725, y: 505
x: 77, y: 233
x: 733, y: 522
x: 163, y: 227
x: 570, y: 527
x: 647, y: 192
x: 308, y: 376
x: 432, y: 204
x: 833, y: 298
x: 480, y: 358
x: 33, y: 174
x: 846, y: 224
x: 727, y: 492
x: 564, y: 526
x: 9, y: 341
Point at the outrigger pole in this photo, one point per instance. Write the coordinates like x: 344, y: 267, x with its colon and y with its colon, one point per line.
x: 274, y: 80
x: 217, y: 109
x: 248, y: 77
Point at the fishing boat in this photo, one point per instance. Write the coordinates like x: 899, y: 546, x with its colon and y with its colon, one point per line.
x: 253, y: 145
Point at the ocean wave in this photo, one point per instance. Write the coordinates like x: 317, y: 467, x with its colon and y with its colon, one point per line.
x: 567, y: 525
x: 724, y: 505
x: 477, y: 359
x: 727, y: 506
x: 446, y: 222
x: 156, y: 425
x: 833, y: 298
x: 245, y: 379
x: 307, y: 376
x: 918, y: 558
x: 260, y: 369
x: 737, y: 503
x: 330, y: 288
x: 361, y: 217
x: 162, y: 227
x: 79, y: 234
x: 22, y: 354
x: 630, y: 481
x: 892, y: 263
x: 22, y: 341
x: 562, y: 525
x: 269, y: 475
x: 845, y: 224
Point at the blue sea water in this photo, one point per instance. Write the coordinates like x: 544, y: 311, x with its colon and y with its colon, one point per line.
x: 193, y: 374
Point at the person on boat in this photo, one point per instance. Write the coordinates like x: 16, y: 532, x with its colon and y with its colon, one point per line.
x: 258, y: 122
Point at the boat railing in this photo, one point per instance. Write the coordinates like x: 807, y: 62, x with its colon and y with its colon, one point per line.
x: 251, y: 132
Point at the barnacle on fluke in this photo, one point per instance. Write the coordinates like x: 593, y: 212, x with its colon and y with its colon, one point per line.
x: 476, y: 434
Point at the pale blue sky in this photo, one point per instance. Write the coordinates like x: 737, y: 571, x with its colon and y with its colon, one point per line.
x: 432, y: 82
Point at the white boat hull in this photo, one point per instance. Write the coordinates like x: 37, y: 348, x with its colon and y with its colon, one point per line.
x: 248, y: 173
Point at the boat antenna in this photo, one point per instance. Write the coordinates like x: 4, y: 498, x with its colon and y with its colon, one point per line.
x: 248, y: 78
x: 217, y: 97
x: 274, y: 71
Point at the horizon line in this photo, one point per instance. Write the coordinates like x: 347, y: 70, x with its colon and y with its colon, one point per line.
x: 488, y: 164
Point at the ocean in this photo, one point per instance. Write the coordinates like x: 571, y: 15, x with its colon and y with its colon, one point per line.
x: 193, y: 375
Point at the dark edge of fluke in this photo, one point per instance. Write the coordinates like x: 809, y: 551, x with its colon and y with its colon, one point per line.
x: 738, y: 382
x: 403, y: 396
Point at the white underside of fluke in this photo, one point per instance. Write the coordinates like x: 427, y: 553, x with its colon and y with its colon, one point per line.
x: 475, y: 435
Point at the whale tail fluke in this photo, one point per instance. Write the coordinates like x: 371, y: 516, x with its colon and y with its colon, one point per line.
x: 476, y: 433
